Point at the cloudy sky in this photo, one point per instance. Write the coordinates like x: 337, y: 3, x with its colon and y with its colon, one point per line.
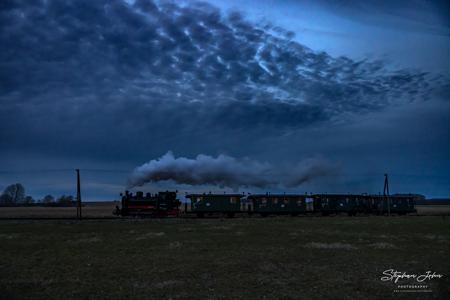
x: 328, y: 94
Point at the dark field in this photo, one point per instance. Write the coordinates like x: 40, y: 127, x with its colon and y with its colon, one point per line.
x: 246, y: 258
x: 105, y: 209
x: 90, y: 210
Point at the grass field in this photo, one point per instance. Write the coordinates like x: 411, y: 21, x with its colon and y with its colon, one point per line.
x: 241, y: 258
x: 104, y: 210
x: 94, y: 210
x: 433, y: 209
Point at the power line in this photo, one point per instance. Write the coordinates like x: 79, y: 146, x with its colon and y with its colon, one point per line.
x: 106, y: 170
x: 35, y: 171
x: 62, y: 170
x: 129, y: 171
x: 377, y: 175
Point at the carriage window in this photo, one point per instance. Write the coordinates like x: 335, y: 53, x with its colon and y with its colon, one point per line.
x: 263, y: 200
x: 199, y: 199
x: 299, y: 202
x: 233, y: 200
x: 275, y: 200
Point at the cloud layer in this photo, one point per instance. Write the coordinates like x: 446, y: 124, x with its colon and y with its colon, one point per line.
x: 189, y: 63
x: 227, y: 171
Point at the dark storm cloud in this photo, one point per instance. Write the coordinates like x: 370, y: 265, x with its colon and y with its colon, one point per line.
x: 75, y: 71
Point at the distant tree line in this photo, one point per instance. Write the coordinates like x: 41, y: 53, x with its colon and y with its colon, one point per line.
x: 14, y: 195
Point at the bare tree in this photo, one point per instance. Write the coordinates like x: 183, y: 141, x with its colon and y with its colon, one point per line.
x: 29, y: 200
x: 13, y: 194
x: 48, y: 199
x: 65, y: 200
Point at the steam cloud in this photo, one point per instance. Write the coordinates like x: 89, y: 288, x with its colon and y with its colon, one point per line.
x: 227, y: 171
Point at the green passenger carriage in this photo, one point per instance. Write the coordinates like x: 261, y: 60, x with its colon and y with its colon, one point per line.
x: 282, y: 204
x: 227, y: 204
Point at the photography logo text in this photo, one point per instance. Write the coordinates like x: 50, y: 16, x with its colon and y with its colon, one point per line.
x: 410, y: 282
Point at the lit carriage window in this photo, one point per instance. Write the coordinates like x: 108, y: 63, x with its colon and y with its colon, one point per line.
x: 199, y: 199
x: 299, y: 202
x: 233, y: 200
x: 263, y: 200
x: 286, y: 201
x: 346, y: 199
x: 275, y: 200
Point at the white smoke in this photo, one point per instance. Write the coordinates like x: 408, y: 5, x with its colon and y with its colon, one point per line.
x: 227, y: 171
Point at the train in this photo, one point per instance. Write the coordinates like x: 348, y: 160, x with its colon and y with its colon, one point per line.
x: 161, y: 204
x: 166, y: 204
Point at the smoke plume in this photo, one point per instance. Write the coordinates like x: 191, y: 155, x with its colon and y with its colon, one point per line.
x: 227, y: 171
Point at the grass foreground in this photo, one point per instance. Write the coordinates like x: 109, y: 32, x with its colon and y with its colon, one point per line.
x: 241, y: 258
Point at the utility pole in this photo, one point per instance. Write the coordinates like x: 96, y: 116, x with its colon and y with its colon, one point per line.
x: 386, y: 193
x: 78, y: 195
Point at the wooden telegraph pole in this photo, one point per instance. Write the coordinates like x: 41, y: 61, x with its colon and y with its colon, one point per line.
x: 386, y: 193
x: 78, y: 195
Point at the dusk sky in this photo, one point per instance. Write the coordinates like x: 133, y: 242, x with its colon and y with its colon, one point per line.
x: 289, y: 96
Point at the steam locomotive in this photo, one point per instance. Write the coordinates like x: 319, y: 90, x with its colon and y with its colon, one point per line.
x: 166, y: 204
x: 162, y: 204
